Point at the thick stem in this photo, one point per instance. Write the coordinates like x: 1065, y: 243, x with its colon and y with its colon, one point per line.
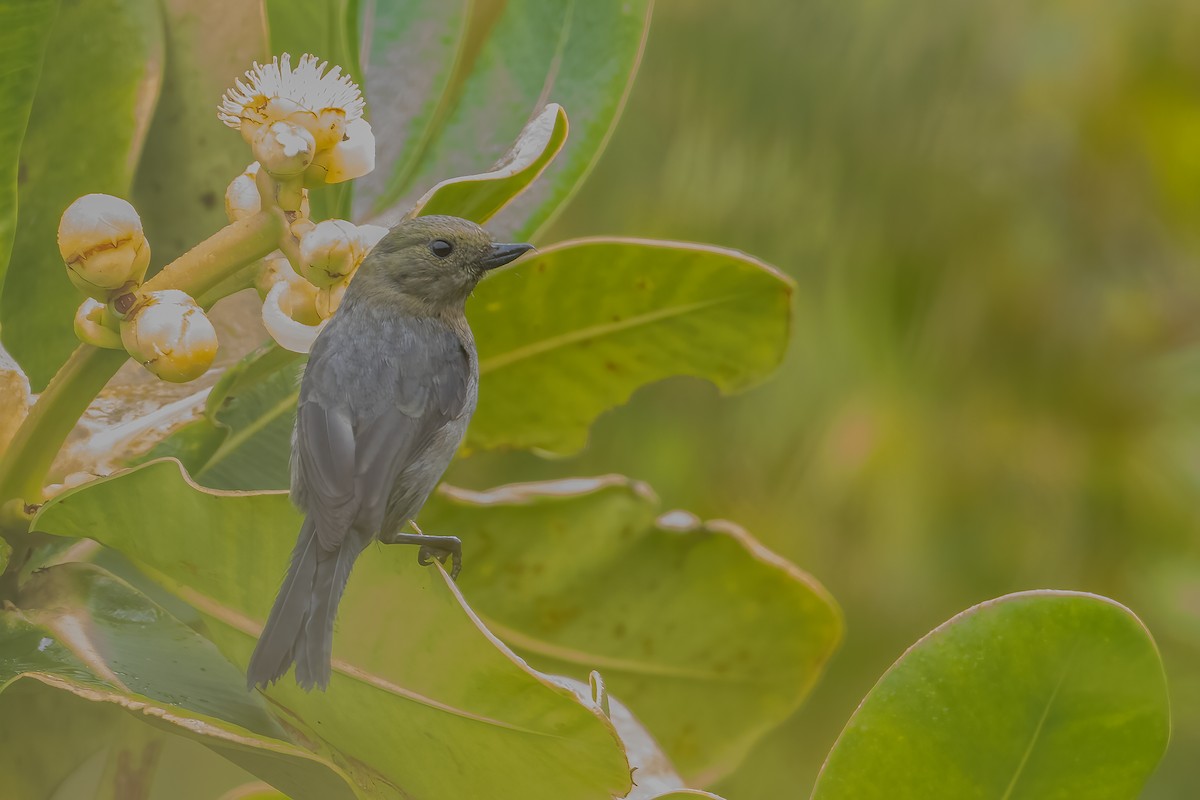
x: 33, y: 449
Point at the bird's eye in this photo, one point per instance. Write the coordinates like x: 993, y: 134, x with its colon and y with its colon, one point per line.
x: 441, y: 248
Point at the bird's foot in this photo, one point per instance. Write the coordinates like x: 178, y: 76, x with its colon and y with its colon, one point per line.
x: 433, y: 547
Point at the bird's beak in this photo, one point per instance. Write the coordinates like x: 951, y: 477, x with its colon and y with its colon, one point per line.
x: 504, y: 253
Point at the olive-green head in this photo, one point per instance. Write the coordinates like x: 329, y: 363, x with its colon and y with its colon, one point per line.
x: 430, y: 263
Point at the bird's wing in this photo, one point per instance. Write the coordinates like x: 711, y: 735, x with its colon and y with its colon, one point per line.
x: 356, y: 433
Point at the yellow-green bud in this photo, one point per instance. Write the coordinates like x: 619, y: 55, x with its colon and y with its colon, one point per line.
x: 284, y: 149
x: 169, y: 334
x: 330, y: 297
x: 242, y: 198
x: 331, y: 128
x: 102, y: 242
x: 352, y: 157
x: 330, y: 252
x: 90, y: 327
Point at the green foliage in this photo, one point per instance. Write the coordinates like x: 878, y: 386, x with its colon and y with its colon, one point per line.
x: 616, y: 587
x: 67, y: 151
x: 415, y: 673
x: 187, y: 161
x: 589, y: 321
x: 24, y: 30
x: 1034, y: 695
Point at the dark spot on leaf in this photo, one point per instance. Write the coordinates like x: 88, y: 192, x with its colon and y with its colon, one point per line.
x: 209, y: 200
x: 611, y: 366
x: 619, y: 630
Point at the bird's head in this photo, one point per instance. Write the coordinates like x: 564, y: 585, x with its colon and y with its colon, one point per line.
x: 431, y: 263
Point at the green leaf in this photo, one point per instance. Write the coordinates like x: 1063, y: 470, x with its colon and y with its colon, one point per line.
x: 480, y: 197
x: 85, y: 632
x: 190, y: 156
x: 243, y: 440
x: 581, y: 574
x: 24, y: 30
x: 85, y: 134
x: 1034, y: 695
x: 584, y: 323
x: 517, y: 57
x: 423, y: 701
x: 329, y: 30
x: 408, y: 58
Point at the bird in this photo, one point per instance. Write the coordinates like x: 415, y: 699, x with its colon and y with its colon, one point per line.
x: 384, y: 402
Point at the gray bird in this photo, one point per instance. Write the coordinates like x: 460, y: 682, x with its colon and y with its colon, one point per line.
x: 390, y: 386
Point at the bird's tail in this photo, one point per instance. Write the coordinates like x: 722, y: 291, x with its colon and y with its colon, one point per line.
x: 300, y: 627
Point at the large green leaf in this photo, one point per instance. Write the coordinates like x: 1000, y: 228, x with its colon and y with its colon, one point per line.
x: 63, y: 747
x: 190, y: 157
x: 24, y: 29
x: 480, y: 197
x: 517, y: 56
x: 576, y: 328
x: 423, y: 701
x: 597, y: 58
x: 86, y: 130
x: 1035, y: 695
x: 579, y: 575
x: 85, y: 632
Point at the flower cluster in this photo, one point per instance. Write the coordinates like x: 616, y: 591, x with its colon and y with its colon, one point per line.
x: 305, y: 127
x: 304, y: 124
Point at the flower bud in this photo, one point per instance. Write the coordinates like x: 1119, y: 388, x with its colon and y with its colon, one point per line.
x: 331, y: 128
x: 284, y: 149
x: 352, y: 157
x: 301, y: 299
x: 102, y: 242
x: 330, y: 252
x: 90, y: 327
x: 170, y: 335
x: 242, y: 198
x: 329, y: 298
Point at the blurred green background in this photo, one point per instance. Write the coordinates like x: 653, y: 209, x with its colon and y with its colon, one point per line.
x: 992, y: 211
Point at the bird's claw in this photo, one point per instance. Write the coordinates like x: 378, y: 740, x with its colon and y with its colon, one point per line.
x: 448, y: 547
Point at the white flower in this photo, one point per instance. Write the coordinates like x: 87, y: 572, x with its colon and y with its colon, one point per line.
x: 323, y: 102
x: 278, y: 315
x: 169, y: 334
x: 370, y: 235
x: 102, y: 242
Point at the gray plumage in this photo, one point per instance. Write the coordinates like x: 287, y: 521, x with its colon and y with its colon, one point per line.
x: 389, y: 388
